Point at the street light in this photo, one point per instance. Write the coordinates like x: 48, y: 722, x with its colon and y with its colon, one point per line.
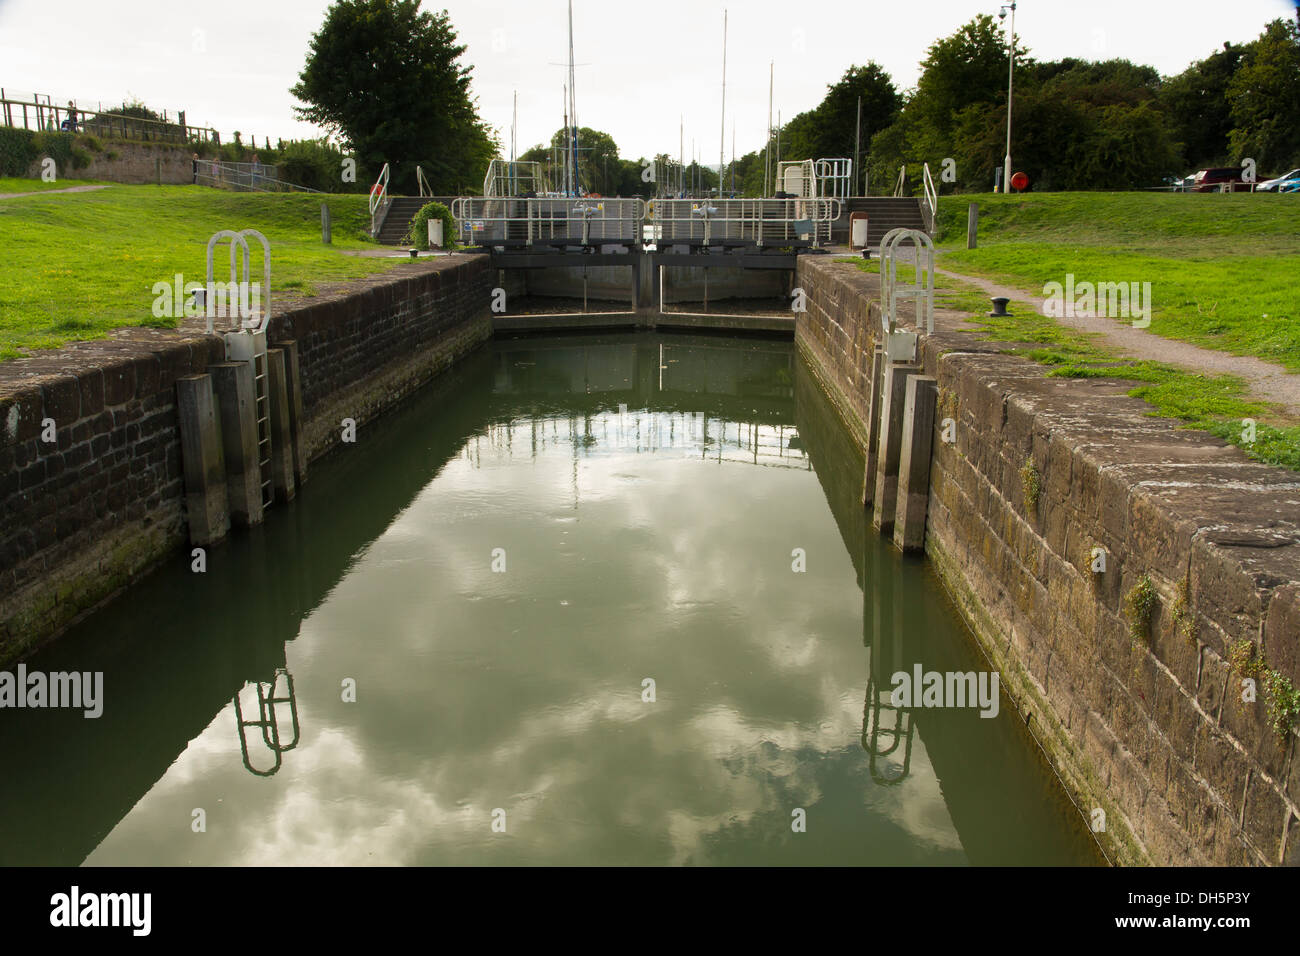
x: 1011, y: 72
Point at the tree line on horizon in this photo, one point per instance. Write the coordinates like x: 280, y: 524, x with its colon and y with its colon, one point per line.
x: 386, y: 79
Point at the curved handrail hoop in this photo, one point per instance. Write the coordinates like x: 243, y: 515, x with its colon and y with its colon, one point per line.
x: 921, y: 289
x: 252, y: 313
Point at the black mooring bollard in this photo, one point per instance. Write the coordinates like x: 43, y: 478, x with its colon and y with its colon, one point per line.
x: 1000, y: 306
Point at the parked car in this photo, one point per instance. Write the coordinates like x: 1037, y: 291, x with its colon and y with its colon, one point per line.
x: 1180, y: 184
x: 1214, y: 180
x: 1290, y: 186
x: 1275, y: 185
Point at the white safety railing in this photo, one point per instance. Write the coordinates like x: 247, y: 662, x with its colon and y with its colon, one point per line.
x: 834, y: 178
x: 761, y: 221
x: 796, y: 179
x: 901, y: 345
x: 422, y: 183
x: 931, y: 205
x: 553, y: 221
x: 378, y: 197
x: 900, y: 186
x: 243, y: 177
x: 519, y: 178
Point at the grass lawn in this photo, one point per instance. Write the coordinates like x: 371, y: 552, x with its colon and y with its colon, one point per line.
x: 1213, y: 403
x: 1222, y: 268
x: 78, y: 265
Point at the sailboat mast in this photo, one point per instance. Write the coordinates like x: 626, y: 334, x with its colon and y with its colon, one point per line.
x: 722, y: 135
x: 573, y: 109
x: 767, y: 151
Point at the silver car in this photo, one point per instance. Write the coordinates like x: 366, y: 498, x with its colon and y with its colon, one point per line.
x: 1272, y: 185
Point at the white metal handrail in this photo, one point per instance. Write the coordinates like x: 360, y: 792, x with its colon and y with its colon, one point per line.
x: 252, y: 177
x: 762, y: 221
x: 834, y: 178
x: 378, y: 196
x: 931, y: 207
x: 489, y: 221
x: 514, y: 178
x: 797, y: 178
x: 422, y: 183
x: 901, y: 184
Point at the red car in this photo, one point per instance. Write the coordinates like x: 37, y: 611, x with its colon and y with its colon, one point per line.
x: 1214, y: 180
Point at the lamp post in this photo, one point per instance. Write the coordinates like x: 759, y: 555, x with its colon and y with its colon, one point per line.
x: 1011, y: 73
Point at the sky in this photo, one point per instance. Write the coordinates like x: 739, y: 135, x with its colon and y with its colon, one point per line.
x: 645, y: 68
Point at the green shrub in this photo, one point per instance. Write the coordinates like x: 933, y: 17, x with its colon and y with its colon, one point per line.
x: 17, y: 151
x: 418, y: 234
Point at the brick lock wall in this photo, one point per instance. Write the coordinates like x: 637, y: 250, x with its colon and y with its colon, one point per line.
x: 83, y: 516
x: 1151, y: 730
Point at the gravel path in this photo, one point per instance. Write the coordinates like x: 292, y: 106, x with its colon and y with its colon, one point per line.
x: 51, y: 192
x: 1266, y: 381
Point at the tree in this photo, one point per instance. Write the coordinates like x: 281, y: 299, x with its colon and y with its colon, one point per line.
x: 963, y: 75
x: 387, y: 79
x: 1196, y: 103
x: 1264, y: 97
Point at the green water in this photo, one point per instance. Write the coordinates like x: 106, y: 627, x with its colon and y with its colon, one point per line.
x: 648, y: 542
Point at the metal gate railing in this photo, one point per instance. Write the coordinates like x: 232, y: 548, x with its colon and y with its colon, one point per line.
x: 764, y: 222
x: 560, y: 221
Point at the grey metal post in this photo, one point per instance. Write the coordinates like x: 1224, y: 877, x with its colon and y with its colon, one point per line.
x: 972, y: 224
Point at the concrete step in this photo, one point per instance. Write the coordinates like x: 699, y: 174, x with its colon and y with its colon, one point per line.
x: 401, y: 210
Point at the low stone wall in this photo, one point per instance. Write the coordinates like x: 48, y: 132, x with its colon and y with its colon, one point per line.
x: 1151, y: 729
x: 104, y: 501
x: 130, y: 163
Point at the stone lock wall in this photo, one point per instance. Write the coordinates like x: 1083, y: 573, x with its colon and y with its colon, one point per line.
x: 1149, y: 728
x: 82, y: 516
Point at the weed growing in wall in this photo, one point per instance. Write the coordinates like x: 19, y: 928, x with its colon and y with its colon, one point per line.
x: 1138, y: 605
x: 1032, y: 482
x: 1283, y: 701
x: 1242, y: 659
x: 1182, y: 614
x: 1282, y: 695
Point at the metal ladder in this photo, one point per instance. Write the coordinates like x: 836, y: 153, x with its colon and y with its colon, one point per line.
x: 262, y: 404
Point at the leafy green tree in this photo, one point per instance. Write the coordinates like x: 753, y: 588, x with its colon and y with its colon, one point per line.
x: 387, y: 79
x: 963, y: 75
x: 1196, y: 103
x: 1264, y: 97
x: 967, y: 68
